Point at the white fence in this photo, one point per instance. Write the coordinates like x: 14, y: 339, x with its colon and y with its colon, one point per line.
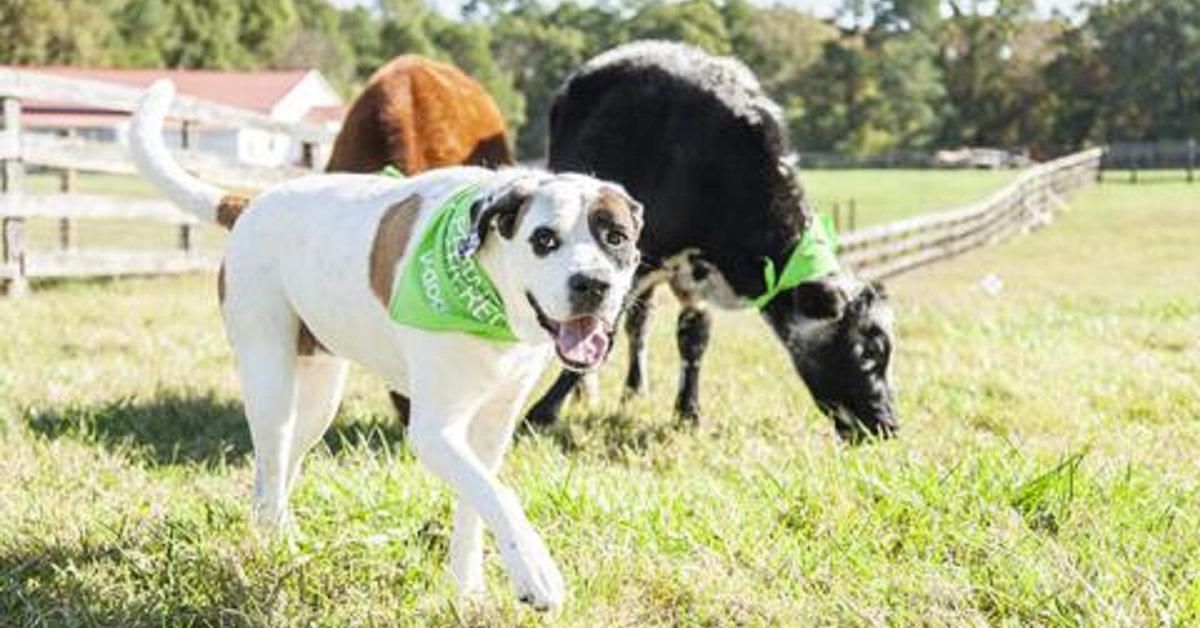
x: 1026, y: 203
x: 69, y: 155
x: 874, y: 252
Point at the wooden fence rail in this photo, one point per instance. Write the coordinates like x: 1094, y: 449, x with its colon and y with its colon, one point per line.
x: 69, y: 154
x: 1025, y: 204
x: 877, y: 252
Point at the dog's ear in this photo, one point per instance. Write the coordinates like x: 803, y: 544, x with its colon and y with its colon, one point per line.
x: 635, y: 208
x: 502, y: 208
x: 821, y: 300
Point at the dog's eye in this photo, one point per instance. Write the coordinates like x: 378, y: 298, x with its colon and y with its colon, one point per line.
x: 615, y: 238
x: 544, y: 241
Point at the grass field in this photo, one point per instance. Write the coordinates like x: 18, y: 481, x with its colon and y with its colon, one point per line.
x: 880, y: 195
x: 1047, y: 472
x: 885, y: 195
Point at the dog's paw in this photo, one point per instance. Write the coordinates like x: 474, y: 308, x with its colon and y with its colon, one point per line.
x: 468, y: 580
x: 534, y: 574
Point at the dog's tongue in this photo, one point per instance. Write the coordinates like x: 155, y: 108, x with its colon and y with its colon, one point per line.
x: 582, y: 340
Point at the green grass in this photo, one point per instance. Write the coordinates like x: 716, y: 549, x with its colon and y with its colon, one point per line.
x: 49, y: 182
x: 885, y: 195
x: 1046, y: 474
x: 42, y: 234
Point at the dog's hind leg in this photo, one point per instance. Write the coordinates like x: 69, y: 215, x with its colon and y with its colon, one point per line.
x: 268, y: 370
x: 320, y: 380
x: 264, y: 333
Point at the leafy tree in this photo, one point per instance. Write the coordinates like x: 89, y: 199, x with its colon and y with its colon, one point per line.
x: 885, y: 75
x: 780, y: 44
x: 543, y: 48
x: 144, y: 31
x: 55, y: 31
x: 1150, y: 53
x: 696, y: 22
x: 267, y: 26
x: 205, y: 34
x: 467, y: 45
x: 318, y: 41
x: 360, y: 30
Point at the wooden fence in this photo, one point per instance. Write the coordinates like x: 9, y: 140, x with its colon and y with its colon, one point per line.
x: 1161, y: 155
x: 69, y: 155
x: 876, y: 252
x: 1026, y: 203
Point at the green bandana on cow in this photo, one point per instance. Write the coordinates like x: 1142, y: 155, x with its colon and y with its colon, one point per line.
x: 442, y: 289
x: 814, y: 257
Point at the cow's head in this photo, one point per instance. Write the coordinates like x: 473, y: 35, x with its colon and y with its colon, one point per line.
x: 839, y: 332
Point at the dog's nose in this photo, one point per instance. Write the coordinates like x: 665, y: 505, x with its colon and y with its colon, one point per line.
x: 587, y: 292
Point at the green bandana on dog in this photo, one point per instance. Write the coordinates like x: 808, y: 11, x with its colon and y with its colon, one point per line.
x: 815, y: 256
x: 443, y: 289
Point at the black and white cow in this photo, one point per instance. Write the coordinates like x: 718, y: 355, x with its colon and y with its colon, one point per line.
x: 694, y: 138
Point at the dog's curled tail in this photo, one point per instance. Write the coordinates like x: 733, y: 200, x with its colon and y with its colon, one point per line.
x: 155, y: 163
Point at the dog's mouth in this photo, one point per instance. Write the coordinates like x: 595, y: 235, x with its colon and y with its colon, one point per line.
x: 582, y: 342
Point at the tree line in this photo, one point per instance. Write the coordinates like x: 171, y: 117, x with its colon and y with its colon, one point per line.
x: 880, y: 76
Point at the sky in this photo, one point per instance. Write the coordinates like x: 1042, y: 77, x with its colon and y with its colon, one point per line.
x: 823, y: 8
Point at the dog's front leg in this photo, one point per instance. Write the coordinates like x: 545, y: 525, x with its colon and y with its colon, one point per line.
x: 489, y: 436
x: 442, y: 447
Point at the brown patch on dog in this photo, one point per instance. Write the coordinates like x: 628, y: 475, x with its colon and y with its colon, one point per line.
x: 221, y: 283
x: 418, y: 114
x: 230, y: 208
x: 613, y: 212
x: 306, y: 343
x: 390, y: 239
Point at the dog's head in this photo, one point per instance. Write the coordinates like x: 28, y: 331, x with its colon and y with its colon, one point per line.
x: 840, y: 332
x: 564, y: 248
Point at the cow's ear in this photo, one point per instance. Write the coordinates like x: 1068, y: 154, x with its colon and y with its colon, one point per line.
x: 820, y: 300
x: 879, y: 289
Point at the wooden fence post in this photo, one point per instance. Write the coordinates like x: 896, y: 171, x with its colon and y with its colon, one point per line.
x: 837, y: 216
x: 187, y: 238
x: 66, y: 185
x: 12, y: 229
x: 852, y: 215
x: 1191, y: 164
x: 189, y: 139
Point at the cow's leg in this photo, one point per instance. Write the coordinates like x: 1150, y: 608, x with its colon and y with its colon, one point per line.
x: 636, y: 317
x: 691, y: 335
x: 547, y: 409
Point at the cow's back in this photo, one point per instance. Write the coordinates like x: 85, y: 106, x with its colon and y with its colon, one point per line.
x: 689, y: 135
x: 418, y: 114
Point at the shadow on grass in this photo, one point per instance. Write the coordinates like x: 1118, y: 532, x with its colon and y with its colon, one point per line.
x: 191, y: 571
x: 85, y: 582
x: 181, y: 429
x: 168, y: 429
x: 610, y: 435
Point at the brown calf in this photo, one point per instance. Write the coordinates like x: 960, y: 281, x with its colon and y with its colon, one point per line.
x: 418, y: 114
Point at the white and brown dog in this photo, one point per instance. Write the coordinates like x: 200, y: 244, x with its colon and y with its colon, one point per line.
x: 308, y: 281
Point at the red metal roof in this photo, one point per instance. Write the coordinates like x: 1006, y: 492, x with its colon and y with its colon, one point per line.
x: 259, y: 90
x: 320, y: 115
